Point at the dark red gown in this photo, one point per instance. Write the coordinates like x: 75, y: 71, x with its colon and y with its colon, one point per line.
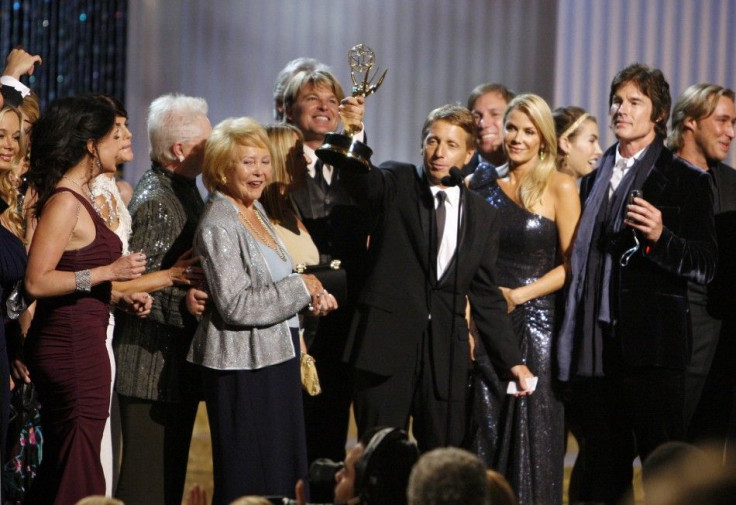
x: 68, y: 362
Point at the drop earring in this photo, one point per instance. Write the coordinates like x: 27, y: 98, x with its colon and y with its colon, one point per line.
x: 95, y: 163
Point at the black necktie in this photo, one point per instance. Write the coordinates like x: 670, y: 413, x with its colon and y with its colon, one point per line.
x: 319, y: 176
x: 441, y: 215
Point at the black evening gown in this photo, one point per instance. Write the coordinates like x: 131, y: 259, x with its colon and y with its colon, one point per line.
x: 12, y: 268
x: 523, y: 438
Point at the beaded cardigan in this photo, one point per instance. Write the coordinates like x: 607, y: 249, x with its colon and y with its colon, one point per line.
x: 150, y: 352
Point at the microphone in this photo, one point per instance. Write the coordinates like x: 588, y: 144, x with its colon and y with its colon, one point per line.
x: 454, y: 179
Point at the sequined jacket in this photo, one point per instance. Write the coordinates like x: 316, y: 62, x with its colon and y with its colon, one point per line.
x: 246, y: 326
x: 151, y: 352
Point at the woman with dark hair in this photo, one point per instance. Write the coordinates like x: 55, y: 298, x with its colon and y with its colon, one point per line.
x: 110, y: 205
x: 72, y: 261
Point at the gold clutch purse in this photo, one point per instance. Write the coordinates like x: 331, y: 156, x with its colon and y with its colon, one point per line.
x: 310, y: 379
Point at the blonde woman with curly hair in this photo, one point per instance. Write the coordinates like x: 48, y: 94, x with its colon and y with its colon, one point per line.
x: 13, y: 257
x: 12, y: 154
x: 539, y: 208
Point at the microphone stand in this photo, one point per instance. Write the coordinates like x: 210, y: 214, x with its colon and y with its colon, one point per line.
x: 454, y: 179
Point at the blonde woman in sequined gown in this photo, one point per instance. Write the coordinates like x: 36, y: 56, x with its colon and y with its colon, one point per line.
x: 523, y: 438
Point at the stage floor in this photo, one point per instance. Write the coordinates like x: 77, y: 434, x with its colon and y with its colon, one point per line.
x: 200, y: 457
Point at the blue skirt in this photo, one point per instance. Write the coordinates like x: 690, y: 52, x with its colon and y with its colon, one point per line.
x: 257, y: 428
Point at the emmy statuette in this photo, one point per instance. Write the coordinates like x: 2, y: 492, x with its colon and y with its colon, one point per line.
x: 339, y: 149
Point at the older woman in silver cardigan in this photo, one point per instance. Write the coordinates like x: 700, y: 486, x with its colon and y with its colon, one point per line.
x: 248, y: 339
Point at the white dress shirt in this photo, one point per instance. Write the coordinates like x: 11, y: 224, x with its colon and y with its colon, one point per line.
x: 621, y: 167
x: 9, y: 80
x: 326, y: 169
x: 449, y: 236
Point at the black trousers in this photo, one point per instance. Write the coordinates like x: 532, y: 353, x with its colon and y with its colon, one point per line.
x: 156, y: 439
x: 327, y: 415
x: 391, y: 400
x: 619, y: 417
x: 713, y: 416
x: 706, y: 330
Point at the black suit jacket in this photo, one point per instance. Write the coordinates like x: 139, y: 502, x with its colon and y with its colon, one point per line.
x: 722, y: 291
x: 650, y: 305
x: 11, y: 96
x: 470, y: 167
x: 402, y: 298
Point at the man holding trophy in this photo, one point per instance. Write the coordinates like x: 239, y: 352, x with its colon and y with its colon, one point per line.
x: 311, y: 103
x: 409, y: 339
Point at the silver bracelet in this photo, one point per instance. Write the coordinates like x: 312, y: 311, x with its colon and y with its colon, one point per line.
x: 83, y: 279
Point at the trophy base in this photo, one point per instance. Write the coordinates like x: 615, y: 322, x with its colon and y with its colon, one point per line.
x: 341, y: 151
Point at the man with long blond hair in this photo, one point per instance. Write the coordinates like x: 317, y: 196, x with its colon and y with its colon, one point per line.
x: 701, y: 133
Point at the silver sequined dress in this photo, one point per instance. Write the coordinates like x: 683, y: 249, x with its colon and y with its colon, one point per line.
x: 523, y: 438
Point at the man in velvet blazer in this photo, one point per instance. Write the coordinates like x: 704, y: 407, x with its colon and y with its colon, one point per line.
x: 626, y: 337
x: 702, y: 129
x: 409, y: 338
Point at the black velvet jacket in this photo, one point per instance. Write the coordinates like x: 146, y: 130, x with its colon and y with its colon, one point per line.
x: 651, y: 314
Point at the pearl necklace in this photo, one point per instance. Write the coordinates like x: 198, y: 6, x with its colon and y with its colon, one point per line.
x: 260, y: 236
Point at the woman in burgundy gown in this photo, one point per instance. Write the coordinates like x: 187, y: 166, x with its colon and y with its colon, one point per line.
x: 72, y: 260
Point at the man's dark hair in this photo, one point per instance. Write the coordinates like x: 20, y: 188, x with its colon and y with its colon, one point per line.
x: 59, y: 140
x: 651, y: 83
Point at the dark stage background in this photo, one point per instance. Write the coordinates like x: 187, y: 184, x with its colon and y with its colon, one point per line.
x: 83, y: 44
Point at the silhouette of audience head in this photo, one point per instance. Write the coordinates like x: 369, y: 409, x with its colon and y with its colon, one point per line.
x: 677, y: 473
x: 449, y: 476
x: 377, y: 469
x: 500, y: 489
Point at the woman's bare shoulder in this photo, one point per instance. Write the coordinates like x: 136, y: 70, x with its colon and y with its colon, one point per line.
x: 562, y: 184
